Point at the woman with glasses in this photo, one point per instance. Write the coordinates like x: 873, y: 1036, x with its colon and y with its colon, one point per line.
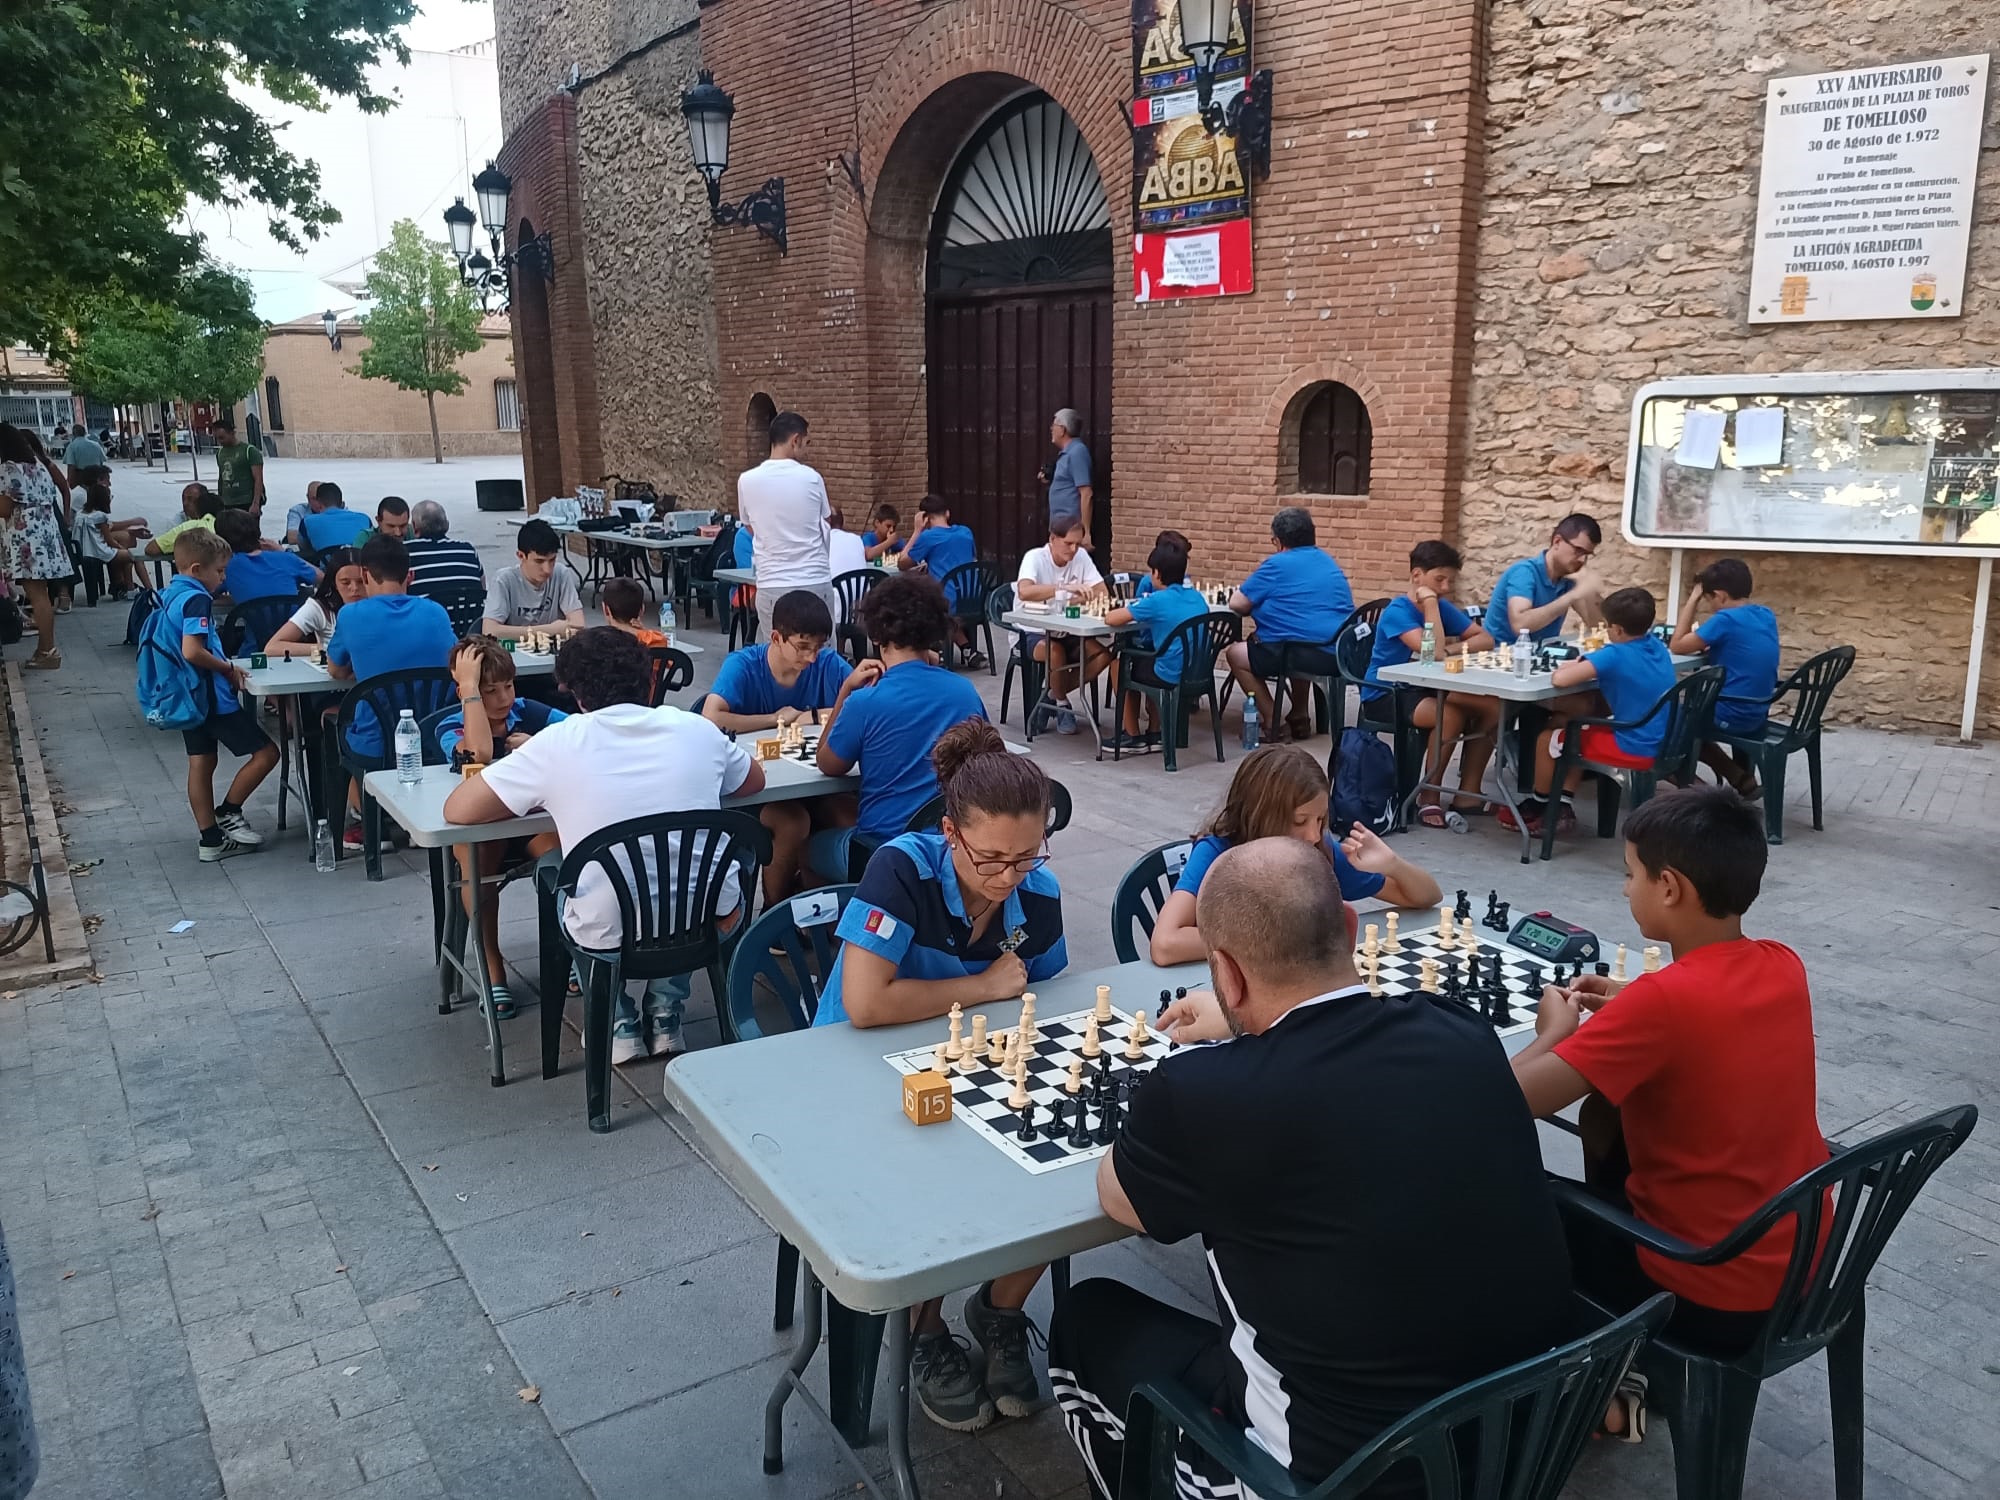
x: 966, y: 916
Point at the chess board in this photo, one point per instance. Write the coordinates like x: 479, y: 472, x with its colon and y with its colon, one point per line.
x: 1523, y: 973
x: 808, y: 740
x: 979, y: 1098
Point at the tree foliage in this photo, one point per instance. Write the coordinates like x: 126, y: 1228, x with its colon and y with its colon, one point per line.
x: 119, y: 112
x: 421, y: 319
x: 208, y: 348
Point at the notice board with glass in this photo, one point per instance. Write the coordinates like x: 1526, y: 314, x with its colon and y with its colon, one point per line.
x: 1903, y: 461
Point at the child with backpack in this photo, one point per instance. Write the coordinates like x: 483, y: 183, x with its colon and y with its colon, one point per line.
x: 187, y: 683
x: 1279, y: 791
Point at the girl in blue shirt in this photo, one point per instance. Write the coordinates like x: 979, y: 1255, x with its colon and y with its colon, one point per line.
x: 1279, y: 791
x: 968, y: 916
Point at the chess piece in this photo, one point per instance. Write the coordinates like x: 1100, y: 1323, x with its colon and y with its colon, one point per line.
x: 1618, y: 963
x: 1074, y: 1085
x: 1135, y: 1042
x: 1375, y: 975
x: 1027, y: 1132
x: 971, y: 1062
x: 1103, y: 1011
x: 1019, y: 1097
x: 996, y: 1053
x: 1651, y: 957
x: 1392, y: 942
x: 1029, y: 1032
x: 1079, y: 1130
x: 954, y: 1046
x: 939, y: 1062
x: 1108, y: 1121
x: 1370, y: 941
x: 1444, y: 924
x: 1463, y: 910
x: 1091, y: 1046
x: 1427, y: 976
x: 979, y: 1034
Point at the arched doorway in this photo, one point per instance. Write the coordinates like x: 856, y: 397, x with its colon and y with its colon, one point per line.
x: 1018, y: 322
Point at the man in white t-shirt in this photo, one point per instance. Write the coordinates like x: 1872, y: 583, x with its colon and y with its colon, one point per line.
x: 640, y: 761
x: 1057, y: 575
x: 783, y: 503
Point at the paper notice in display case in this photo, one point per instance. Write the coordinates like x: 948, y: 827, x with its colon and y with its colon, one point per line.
x: 1701, y: 439
x: 1864, y: 201
x: 1760, y: 437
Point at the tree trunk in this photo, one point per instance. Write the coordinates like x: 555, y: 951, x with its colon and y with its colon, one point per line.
x: 437, y: 447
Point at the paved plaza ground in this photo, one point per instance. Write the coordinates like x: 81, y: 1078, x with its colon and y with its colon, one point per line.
x: 276, y: 1236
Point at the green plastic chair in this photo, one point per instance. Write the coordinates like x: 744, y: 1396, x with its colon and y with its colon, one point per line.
x: 1689, y: 705
x: 1778, y: 741
x: 1201, y: 639
x: 1512, y: 1435
x: 1141, y: 893
x: 1710, y: 1401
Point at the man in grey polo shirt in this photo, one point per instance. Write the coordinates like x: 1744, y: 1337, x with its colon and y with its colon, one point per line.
x: 1068, y: 478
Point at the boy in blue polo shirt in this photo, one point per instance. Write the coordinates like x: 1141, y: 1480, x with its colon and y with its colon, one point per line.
x: 888, y: 716
x: 795, y: 676
x: 332, y: 525
x: 1167, y: 603
x: 886, y: 538
x: 937, y: 547
x: 253, y: 571
x: 1632, y: 673
x: 1399, y: 636
x: 1297, y: 596
x: 1742, y: 639
x: 1535, y: 593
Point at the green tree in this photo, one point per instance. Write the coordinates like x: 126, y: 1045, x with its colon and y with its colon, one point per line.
x: 421, y: 319
x: 118, y: 113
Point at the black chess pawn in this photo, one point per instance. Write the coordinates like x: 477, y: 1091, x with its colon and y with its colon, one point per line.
x: 1180, y: 992
x: 1058, y: 1113
x: 1603, y: 971
x: 1027, y: 1132
x: 1533, y: 982
x: 1079, y: 1129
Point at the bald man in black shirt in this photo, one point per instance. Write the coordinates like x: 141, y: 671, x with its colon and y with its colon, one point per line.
x: 1365, y: 1179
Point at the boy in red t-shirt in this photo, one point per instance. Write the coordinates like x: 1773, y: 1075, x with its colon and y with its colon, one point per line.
x: 1700, y: 1103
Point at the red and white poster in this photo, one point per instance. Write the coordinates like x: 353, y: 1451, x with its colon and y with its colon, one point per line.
x: 1191, y: 199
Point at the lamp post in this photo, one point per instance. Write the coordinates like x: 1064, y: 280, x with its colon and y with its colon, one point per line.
x: 331, y: 323
x: 1206, y: 30
x: 492, y: 277
x: 709, y: 110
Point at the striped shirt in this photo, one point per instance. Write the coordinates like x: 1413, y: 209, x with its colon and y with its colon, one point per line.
x: 438, y: 563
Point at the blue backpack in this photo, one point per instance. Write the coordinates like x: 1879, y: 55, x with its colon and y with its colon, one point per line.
x: 144, y: 602
x: 1364, y: 783
x: 173, y: 692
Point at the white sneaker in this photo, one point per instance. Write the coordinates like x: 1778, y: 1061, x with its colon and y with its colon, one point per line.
x: 625, y: 1049
x: 668, y: 1044
x: 235, y: 826
x: 210, y: 853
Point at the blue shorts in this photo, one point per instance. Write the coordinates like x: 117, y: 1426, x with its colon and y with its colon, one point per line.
x: 829, y: 850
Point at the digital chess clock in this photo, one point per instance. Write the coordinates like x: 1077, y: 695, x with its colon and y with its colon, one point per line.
x: 1553, y: 939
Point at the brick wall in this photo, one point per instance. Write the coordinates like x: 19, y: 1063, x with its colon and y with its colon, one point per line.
x: 1362, y: 251
x: 1614, y: 249
x: 331, y: 412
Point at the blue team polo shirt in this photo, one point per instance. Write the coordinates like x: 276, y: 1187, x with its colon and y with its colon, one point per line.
x: 942, y: 548
x: 264, y: 575
x: 1633, y: 675
x: 1161, y: 612
x: 1298, y: 594
x: 745, y: 682
x: 1355, y: 885
x: 338, y: 527
x: 1527, y: 579
x: 887, y: 730
x: 1400, y: 616
x: 1069, y: 475
x: 746, y: 547
x: 1743, y: 641
x: 908, y: 910
x: 869, y: 539
x: 387, y: 633
x: 525, y: 717
x: 196, y: 607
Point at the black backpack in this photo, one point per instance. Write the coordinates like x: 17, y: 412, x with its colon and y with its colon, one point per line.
x: 144, y: 602
x: 1364, y: 782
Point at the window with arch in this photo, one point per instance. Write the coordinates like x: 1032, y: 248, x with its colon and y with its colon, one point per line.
x: 757, y: 428
x: 274, y: 410
x: 1326, y: 442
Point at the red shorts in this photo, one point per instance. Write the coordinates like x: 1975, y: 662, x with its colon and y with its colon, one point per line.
x: 1600, y: 747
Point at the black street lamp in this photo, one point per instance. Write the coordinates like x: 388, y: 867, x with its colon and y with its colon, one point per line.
x: 491, y: 277
x: 709, y: 110
x: 331, y: 323
x: 1206, y: 30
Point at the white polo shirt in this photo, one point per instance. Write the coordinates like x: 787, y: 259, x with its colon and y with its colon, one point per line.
x: 1076, y: 576
x: 626, y: 761
x: 784, y: 502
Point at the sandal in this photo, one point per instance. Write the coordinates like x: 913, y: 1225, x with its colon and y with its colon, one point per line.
x: 1431, y: 815
x: 503, y: 1002
x: 47, y: 660
x: 1629, y: 1402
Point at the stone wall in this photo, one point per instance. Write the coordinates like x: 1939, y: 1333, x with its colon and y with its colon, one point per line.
x: 1622, y: 147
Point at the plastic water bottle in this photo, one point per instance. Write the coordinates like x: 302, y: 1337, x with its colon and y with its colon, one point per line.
x: 323, y: 849
x: 1427, y: 653
x: 1249, y: 723
x: 1524, y: 655
x: 409, y: 750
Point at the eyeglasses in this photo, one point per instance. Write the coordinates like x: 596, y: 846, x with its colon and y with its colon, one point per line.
x: 1580, y: 551
x: 994, y: 864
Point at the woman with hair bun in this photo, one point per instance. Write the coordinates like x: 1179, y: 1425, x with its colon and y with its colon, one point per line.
x: 965, y: 916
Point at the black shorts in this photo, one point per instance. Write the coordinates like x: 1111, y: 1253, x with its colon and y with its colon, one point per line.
x: 1268, y: 661
x: 238, y: 731
x: 1143, y: 669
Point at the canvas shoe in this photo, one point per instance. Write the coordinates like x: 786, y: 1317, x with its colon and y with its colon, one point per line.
x: 941, y: 1375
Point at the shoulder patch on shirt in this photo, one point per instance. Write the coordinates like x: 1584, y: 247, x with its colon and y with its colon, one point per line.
x: 880, y: 923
